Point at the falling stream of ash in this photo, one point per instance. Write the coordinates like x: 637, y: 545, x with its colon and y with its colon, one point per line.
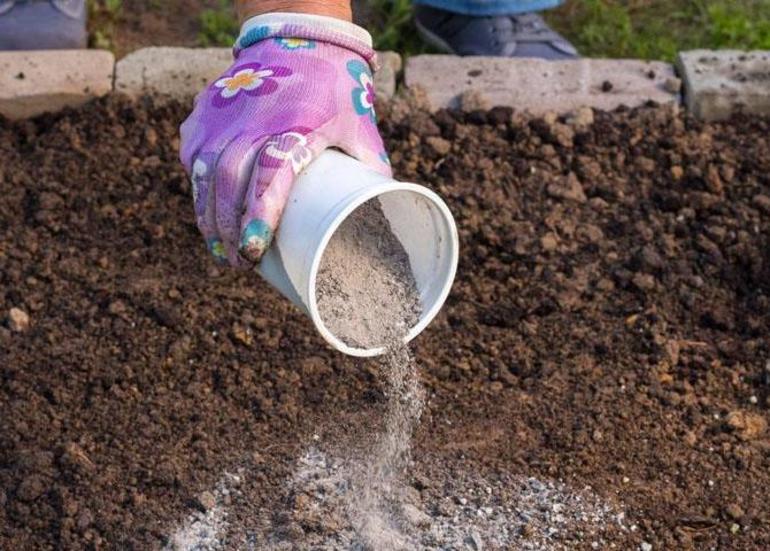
x: 367, y: 296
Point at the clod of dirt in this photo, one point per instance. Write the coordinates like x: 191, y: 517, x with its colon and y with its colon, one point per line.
x: 31, y: 488
x: 439, y: 145
x: 746, y: 425
x: 581, y: 118
x: 568, y: 188
x: 474, y: 100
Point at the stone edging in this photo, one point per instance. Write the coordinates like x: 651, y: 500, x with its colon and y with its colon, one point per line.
x: 716, y: 83
x: 35, y: 82
x: 540, y: 86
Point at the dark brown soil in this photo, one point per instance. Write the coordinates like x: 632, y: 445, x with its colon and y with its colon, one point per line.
x: 609, y: 327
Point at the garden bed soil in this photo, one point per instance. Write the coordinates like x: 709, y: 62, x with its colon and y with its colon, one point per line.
x: 607, y: 338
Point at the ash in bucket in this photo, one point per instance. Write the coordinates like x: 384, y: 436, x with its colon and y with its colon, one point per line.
x: 366, y: 291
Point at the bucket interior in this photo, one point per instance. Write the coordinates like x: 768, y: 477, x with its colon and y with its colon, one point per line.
x: 425, y: 228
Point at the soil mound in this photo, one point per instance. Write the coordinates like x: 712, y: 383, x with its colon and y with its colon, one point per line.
x: 609, y: 328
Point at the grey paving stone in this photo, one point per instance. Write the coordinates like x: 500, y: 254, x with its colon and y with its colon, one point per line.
x: 34, y: 82
x: 722, y: 82
x: 180, y: 73
x: 540, y: 86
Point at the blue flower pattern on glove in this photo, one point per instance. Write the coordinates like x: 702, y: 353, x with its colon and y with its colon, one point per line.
x: 253, y: 36
x: 363, y: 94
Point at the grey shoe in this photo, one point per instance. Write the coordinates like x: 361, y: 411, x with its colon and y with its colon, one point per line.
x: 42, y: 24
x: 522, y: 35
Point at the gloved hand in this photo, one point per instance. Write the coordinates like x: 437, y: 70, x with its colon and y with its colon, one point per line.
x: 299, y: 84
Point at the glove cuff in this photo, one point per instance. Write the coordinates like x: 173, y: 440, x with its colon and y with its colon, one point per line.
x: 309, y: 27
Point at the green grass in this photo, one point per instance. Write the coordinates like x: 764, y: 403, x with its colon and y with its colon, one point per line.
x: 392, y: 26
x: 103, y: 16
x: 219, y: 26
x: 647, y: 29
x: 658, y: 29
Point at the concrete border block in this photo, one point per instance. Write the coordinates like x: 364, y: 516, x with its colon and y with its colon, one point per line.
x: 35, y: 82
x: 170, y: 72
x: 540, y: 86
x: 719, y: 83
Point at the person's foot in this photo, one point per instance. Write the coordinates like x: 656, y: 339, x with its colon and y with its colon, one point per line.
x: 522, y: 35
x: 42, y: 24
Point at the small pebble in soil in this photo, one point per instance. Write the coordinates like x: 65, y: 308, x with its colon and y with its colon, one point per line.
x: 18, y: 320
x: 414, y: 516
x: 549, y: 242
x: 690, y: 438
x: 734, y: 511
x: 206, y: 501
x: 474, y: 541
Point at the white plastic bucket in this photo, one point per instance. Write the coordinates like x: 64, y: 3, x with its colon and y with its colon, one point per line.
x: 325, y: 193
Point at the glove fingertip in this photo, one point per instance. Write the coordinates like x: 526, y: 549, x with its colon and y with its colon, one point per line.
x: 256, y: 237
x: 217, y: 249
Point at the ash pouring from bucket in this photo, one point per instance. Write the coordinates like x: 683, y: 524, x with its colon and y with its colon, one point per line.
x: 367, y: 297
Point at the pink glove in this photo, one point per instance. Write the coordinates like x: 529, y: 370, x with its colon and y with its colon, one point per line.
x: 299, y: 85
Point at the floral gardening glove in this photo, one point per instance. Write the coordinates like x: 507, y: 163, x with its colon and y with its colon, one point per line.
x: 299, y: 84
